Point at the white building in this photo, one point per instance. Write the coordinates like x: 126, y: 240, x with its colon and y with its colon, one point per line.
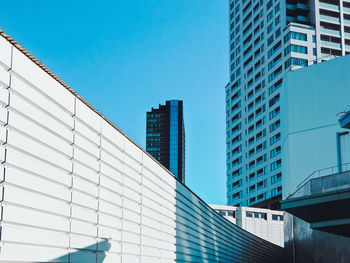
x: 265, y: 223
x: 267, y: 39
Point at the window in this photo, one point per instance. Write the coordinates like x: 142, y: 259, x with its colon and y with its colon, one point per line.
x: 287, y: 50
x: 277, y: 217
x: 237, y: 172
x: 275, y: 86
x: 295, y: 48
x: 238, y: 39
x: 223, y: 213
x: 270, y: 40
x: 249, y: 214
x: 278, y: 32
x: 269, y: 16
x: 275, y: 125
x: 275, y: 165
x: 274, y: 74
x: 313, y: 39
x: 236, y: 195
x: 275, y: 192
x: 277, y: 8
x: 237, y: 150
x: 277, y: 20
x: 238, y: 61
x: 231, y: 213
x: 238, y: 50
x: 275, y: 152
x: 275, y: 138
x: 276, y: 178
x: 237, y: 9
x: 286, y: 38
x: 296, y: 36
x: 295, y: 62
x: 236, y: 184
x: 269, y: 4
x: 274, y: 113
x: 274, y: 49
x: 269, y: 28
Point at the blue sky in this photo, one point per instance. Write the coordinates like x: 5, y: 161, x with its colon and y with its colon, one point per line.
x: 125, y: 57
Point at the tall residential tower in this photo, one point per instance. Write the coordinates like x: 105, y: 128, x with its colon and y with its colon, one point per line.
x: 165, y: 137
x: 267, y: 39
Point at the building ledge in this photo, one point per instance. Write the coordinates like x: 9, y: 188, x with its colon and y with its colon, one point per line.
x: 327, y: 212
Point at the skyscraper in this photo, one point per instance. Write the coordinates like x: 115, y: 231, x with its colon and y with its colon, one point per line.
x: 165, y: 137
x: 267, y: 39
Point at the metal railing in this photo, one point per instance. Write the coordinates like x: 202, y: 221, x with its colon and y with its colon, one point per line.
x: 320, y: 173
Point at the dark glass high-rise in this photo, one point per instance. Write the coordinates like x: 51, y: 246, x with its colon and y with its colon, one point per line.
x: 165, y: 137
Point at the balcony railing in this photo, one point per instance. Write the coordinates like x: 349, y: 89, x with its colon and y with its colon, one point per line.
x: 346, y: 10
x: 329, y: 6
x: 306, y: 188
x: 330, y: 19
x: 330, y: 44
x: 330, y: 32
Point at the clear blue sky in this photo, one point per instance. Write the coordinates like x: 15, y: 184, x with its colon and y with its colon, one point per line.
x: 125, y: 57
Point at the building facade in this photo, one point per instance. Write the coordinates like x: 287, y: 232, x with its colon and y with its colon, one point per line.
x: 264, y: 223
x: 268, y: 39
x: 74, y: 188
x: 316, y: 170
x: 165, y: 136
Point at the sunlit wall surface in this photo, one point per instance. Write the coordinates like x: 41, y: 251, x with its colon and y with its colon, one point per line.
x: 75, y: 189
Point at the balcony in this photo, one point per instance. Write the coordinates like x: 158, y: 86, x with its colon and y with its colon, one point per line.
x: 347, y: 35
x: 329, y: 6
x: 346, y: 22
x: 330, y: 32
x: 330, y: 19
x: 330, y: 44
x: 346, y: 10
x: 323, y: 201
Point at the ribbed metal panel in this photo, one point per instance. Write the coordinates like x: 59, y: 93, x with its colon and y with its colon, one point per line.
x: 75, y: 189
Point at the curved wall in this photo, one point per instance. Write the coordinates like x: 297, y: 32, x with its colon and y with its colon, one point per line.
x: 76, y: 189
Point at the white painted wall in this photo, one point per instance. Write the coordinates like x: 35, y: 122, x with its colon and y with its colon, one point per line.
x: 75, y: 189
x: 311, y: 98
x: 269, y: 228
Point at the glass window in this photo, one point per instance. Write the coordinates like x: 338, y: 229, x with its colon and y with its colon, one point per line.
x: 223, y: 213
x: 249, y: 214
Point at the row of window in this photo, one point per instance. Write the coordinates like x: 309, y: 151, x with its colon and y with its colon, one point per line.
x: 295, y: 48
x: 296, y: 36
x: 295, y: 62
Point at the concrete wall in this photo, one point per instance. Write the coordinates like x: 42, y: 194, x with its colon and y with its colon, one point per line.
x: 303, y: 244
x: 310, y: 100
x: 75, y: 189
